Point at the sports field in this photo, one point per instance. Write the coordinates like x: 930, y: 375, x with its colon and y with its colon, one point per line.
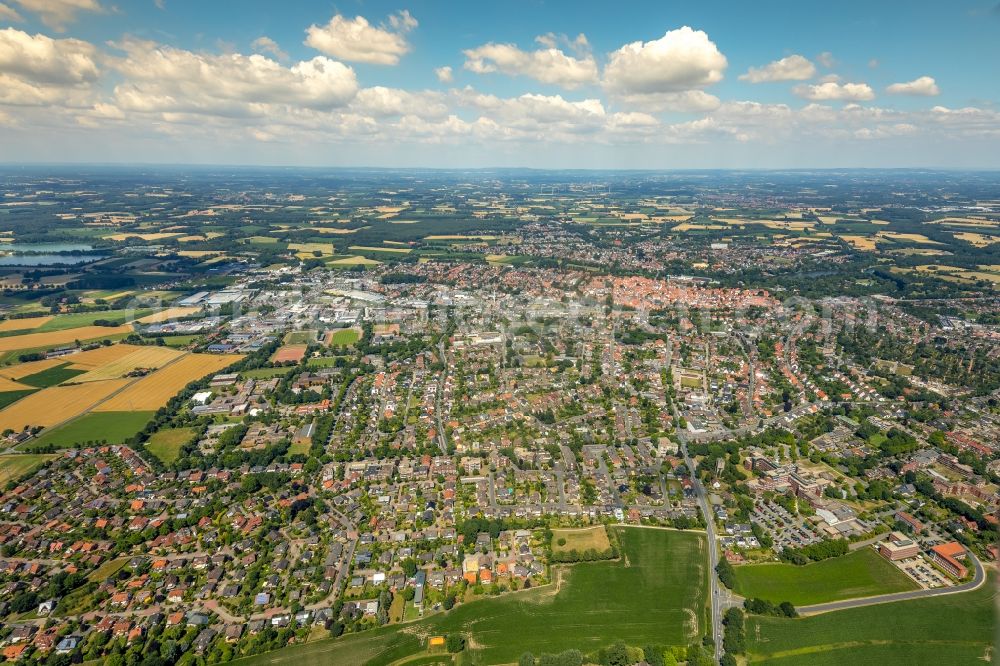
x: 951, y: 629
x: 166, y: 444
x: 95, y: 427
x: 863, y: 573
x: 343, y: 337
x: 293, y: 353
x: 155, y: 390
x: 656, y: 593
x: 16, y: 466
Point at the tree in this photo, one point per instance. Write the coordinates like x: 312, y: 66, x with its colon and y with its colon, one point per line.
x: 653, y: 654
x: 617, y: 655
x: 454, y: 642
x: 527, y: 659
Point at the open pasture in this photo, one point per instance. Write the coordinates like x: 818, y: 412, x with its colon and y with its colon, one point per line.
x: 14, y: 466
x: 656, y: 593
x: 862, y: 573
x: 950, y: 629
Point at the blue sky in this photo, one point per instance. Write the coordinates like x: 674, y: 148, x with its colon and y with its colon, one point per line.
x: 583, y: 84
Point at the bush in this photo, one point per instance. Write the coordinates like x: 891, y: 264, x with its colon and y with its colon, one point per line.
x: 455, y: 642
x: 726, y: 573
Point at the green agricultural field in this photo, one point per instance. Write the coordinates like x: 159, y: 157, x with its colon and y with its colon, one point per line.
x: 656, y: 593
x: 95, y: 427
x: 863, y: 573
x: 10, y: 397
x: 17, y: 465
x: 77, y: 319
x: 951, y: 629
x: 166, y: 444
x: 52, y: 376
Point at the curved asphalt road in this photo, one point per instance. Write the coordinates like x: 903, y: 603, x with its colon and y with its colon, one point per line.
x: 975, y: 583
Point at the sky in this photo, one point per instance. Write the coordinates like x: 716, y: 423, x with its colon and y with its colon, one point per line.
x: 545, y: 84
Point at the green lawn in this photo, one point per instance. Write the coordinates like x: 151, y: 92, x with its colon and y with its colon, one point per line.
x: 345, y: 336
x: 655, y: 594
x: 106, y: 570
x: 862, y: 573
x: 166, y: 444
x: 951, y: 629
x: 95, y: 427
x: 51, y: 376
x: 17, y: 465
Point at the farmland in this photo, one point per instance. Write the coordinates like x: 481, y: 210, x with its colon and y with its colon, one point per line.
x: 950, y: 629
x: 588, y: 538
x: 655, y: 594
x: 61, y: 337
x: 154, y: 390
x: 95, y: 427
x: 51, y: 376
x: 52, y: 406
x: 17, y: 465
x: 130, y: 359
x: 863, y: 573
x: 166, y: 444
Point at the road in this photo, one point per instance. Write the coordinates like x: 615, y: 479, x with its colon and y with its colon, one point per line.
x: 978, y: 579
x: 713, y: 555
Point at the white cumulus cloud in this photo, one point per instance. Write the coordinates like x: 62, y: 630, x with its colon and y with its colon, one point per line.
x: 832, y: 90
x: 265, y: 44
x: 357, y: 40
x: 444, y: 74
x: 57, y: 14
x: 790, y: 68
x: 682, y: 59
x: 548, y: 65
x: 924, y: 86
x: 166, y: 79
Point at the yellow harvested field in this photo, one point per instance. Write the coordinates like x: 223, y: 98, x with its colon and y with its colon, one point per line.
x: 95, y: 358
x: 23, y: 324
x: 979, y: 240
x: 25, y: 369
x: 353, y: 261
x: 865, y: 243
x: 56, y: 404
x: 198, y: 254
x: 145, y: 237
x: 309, y: 248
x: 170, y: 313
x: 142, y: 357
x: 10, y: 385
x: 56, y: 338
x: 686, y: 226
x: 787, y: 225
x: 913, y: 238
x: 153, y: 391
x: 362, y: 248
x: 967, y: 222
